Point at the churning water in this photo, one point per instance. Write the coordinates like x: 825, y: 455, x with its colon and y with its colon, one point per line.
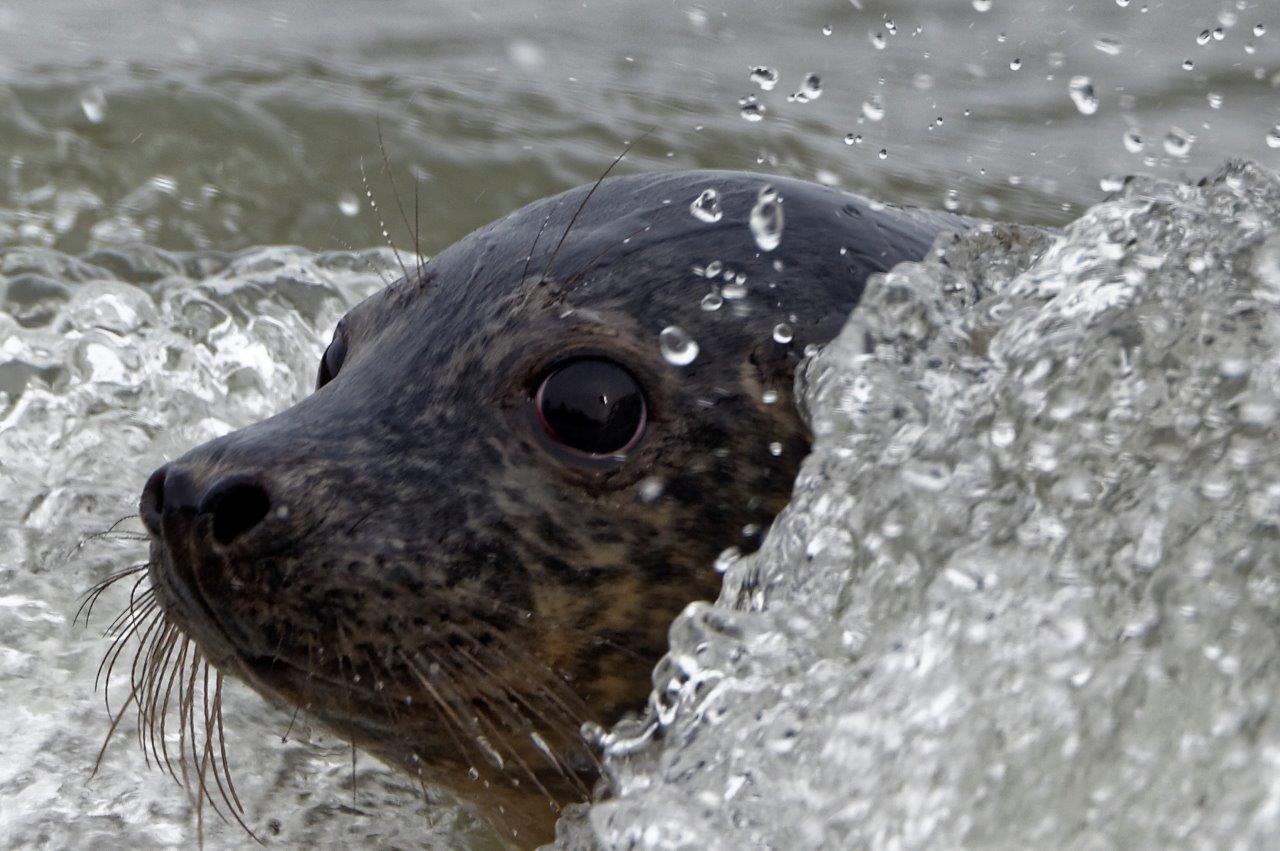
x: 1027, y: 591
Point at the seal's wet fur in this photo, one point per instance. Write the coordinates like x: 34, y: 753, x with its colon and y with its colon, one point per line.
x: 434, y: 584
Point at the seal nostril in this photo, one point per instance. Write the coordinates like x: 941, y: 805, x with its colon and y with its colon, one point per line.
x: 237, y: 506
x: 151, y: 504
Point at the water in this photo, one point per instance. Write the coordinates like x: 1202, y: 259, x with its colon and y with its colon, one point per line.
x: 159, y: 158
x: 1026, y: 592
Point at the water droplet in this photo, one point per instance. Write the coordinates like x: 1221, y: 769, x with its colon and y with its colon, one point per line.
x: 1188, y: 65
x: 706, y: 207
x: 1122, y: 3
x: 1273, y: 137
x: 727, y: 558
x: 783, y: 333
x: 94, y: 104
x: 734, y: 291
x: 883, y: 154
x: 751, y: 109
x: 769, y: 397
x: 873, y: 110
x: 712, y: 301
x: 766, y: 219
x: 1111, y: 183
x: 1203, y: 38
x: 877, y: 40
x: 1178, y: 142
x: 1015, y: 64
x: 1109, y: 45
x: 852, y: 139
x: 650, y: 489
x: 1081, y: 91
x: 810, y: 89
x: 1215, y: 100
x: 1259, y: 30
x: 1218, y: 34
x: 677, y: 347
x: 1133, y: 142
x: 775, y: 449
x: 764, y: 77
x: 982, y: 5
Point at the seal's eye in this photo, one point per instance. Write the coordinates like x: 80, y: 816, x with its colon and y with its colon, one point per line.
x: 591, y: 405
x: 331, y: 362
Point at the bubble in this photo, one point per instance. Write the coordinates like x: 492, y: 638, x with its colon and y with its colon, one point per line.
x: 750, y: 108
x: 706, y: 207
x: 1082, y: 95
x: 873, y: 110
x: 94, y: 105
x: 764, y: 77
x: 1178, y: 142
x: 783, y: 333
x: 1109, y: 45
x: 766, y: 219
x: 1133, y: 142
x: 677, y: 347
x: 1273, y: 137
x: 711, y: 301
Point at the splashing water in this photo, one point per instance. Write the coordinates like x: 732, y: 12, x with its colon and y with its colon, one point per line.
x: 1027, y: 590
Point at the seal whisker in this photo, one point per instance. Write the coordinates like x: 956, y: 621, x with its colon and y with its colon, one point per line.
x: 574, y: 218
x: 453, y: 725
x: 364, y: 178
x: 590, y: 264
x: 110, y: 531
x: 91, y: 597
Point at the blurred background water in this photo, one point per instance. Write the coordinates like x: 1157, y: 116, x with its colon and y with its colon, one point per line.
x: 158, y: 158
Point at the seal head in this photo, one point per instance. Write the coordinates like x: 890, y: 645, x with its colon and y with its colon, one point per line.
x: 521, y: 462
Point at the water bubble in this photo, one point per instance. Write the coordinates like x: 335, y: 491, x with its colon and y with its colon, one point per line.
x: 677, y: 347
x: 764, y: 77
x: 1082, y: 95
x: 712, y: 301
x: 766, y: 219
x: 1133, y: 142
x: 1178, y: 142
x: 873, y: 110
x: 783, y: 333
x: 706, y: 207
x: 751, y: 109
x: 1015, y: 64
x: 94, y: 105
x: 810, y: 89
x: 982, y: 5
x: 1109, y: 45
x: 349, y: 204
x: 1273, y: 137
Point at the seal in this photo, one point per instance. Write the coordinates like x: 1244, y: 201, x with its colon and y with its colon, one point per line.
x: 520, y: 463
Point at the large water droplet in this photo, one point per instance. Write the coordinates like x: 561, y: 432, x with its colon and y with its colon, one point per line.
x: 873, y: 110
x: 783, y: 333
x: 810, y: 89
x: 712, y: 301
x: 1133, y: 142
x: 94, y: 105
x: 706, y: 207
x: 982, y: 5
x: 1082, y: 95
x: 1178, y: 142
x: 678, y: 348
x: 766, y: 219
x: 750, y: 108
x: 1273, y: 137
x: 765, y: 78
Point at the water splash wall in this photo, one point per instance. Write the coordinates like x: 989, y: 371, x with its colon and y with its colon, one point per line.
x: 1027, y: 593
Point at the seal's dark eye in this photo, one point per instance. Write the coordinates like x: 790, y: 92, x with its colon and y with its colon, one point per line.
x: 591, y: 405
x: 331, y: 362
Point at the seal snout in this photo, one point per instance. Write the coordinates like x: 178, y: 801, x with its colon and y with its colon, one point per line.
x: 233, y: 505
